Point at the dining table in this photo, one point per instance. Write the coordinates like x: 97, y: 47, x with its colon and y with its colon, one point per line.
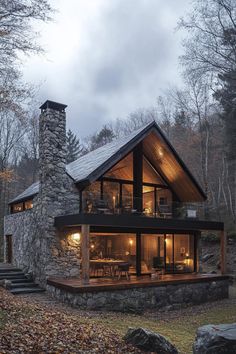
x: 109, y: 262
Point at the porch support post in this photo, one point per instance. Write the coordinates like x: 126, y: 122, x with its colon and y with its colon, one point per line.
x: 138, y: 253
x: 85, y: 253
x: 223, y: 246
x: 197, y: 252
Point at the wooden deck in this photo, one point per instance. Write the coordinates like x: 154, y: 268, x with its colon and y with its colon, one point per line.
x: 74, y: 285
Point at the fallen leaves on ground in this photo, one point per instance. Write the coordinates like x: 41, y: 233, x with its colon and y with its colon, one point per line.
x: 31, y: 328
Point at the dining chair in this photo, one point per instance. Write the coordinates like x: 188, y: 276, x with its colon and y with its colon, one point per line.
x: 123, y: 269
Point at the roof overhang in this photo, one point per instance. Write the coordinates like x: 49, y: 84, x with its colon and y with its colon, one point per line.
x: 136, y: 222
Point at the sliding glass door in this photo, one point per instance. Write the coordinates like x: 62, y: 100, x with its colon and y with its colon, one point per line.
x: 172, y: 252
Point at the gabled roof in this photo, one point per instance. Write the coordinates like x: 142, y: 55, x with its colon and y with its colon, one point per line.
x: 31, y: 191
x: 156, y: 148
x: 92, y: 165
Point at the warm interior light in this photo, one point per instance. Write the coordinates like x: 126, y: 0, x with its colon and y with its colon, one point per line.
x: 160, y: 152
x: 75, y: 237
x: 92, y: 246
x: 131, y: 242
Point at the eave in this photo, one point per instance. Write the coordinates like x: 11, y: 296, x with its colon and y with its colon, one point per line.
x: 127, y: 222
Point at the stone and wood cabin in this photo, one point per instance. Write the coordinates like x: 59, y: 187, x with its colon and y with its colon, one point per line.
x: 118, y: 216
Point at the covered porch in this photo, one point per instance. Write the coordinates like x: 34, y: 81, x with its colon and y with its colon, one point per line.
x: 139, y: 242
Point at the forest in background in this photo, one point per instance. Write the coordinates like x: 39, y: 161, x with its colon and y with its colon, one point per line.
x: 199, y: 118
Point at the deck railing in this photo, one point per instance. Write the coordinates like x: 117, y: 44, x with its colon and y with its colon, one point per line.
x: 93, y: 204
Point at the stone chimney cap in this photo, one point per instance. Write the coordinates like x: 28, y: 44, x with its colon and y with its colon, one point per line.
x: 53, y: 105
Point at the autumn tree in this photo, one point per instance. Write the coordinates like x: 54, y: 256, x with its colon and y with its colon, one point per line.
x: 18, y: 37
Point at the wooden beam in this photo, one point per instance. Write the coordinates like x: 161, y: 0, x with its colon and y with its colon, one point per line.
x: 197, y: 252
x: 223, y: 250
x: 85, y: 253
x: 138, y: 177
x: 130, y: 220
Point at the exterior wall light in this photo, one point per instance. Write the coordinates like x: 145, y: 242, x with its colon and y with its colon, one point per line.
x: 75, y: 237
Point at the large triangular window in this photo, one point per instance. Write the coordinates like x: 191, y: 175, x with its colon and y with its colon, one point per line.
x: 150, y: 175
x: 123, y: 170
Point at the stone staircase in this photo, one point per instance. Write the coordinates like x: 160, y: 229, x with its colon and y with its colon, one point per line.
x: 17, y: 282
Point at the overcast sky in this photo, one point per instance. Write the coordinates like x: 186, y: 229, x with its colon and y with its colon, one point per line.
x: 107, y: 58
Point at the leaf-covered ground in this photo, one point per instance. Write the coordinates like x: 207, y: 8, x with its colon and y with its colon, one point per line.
x: 32, y: 327
x: 36, y: 324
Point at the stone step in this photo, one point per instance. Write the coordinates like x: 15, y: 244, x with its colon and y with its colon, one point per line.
x: 10, y: 277
x: 26, y: 290
x: 8, y: 269
x: 10, y: 274
x: 23, y: 285
x: 18, y: 281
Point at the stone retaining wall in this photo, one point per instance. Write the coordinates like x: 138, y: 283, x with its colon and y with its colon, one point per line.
x: 140, y: 299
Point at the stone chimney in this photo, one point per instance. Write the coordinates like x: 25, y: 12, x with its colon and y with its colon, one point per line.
x: 52, y: 157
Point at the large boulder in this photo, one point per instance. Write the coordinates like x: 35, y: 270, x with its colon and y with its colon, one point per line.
x: 149, y: 341
x: 215, y: 339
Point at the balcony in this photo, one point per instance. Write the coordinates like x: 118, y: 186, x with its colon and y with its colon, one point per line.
x: 109, y: 205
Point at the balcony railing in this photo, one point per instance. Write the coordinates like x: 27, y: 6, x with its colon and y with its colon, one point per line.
x: 93, y: 204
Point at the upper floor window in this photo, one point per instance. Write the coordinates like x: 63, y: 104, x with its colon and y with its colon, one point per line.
x: 150, y: 175
x: 123, y: 170
x: 18, y: 207
x: 28, y: 204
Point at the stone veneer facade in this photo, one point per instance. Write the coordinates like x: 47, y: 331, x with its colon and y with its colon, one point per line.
x: 37, y: 246
x: 166, y: 297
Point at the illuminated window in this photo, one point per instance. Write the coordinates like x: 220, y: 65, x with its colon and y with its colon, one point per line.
x: 16, y: 208
x: 28, y: 204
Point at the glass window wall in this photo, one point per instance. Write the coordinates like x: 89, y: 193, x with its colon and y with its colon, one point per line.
x: 108, y: 250
x: 174, y: 253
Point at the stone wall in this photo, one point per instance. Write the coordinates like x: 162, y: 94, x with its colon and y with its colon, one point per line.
x: 26, y: 239
x: 19, y: 226
x: 140, y: 299
x: 54, y: 254
x: 38, y: 246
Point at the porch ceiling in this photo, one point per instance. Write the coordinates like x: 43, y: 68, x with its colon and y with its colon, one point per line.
x: 136, y: 222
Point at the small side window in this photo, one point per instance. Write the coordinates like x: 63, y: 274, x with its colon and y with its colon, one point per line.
x: 28, y: 204
x: 16, y: 208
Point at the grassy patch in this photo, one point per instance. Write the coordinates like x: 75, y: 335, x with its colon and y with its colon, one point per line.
x: 178, y: 326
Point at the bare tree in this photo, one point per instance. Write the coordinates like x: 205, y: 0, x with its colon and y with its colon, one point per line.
x: 210, y: 46
x: 17, y: 35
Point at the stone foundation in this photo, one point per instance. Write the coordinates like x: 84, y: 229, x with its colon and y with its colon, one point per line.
x: 145, y: 298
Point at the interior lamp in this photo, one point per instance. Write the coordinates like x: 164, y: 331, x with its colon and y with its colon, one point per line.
x: 75, y: 237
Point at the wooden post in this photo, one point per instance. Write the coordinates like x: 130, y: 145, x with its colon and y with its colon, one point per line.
x: 138, y: 177
x: 223, y: 246
x: 85, y: 253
